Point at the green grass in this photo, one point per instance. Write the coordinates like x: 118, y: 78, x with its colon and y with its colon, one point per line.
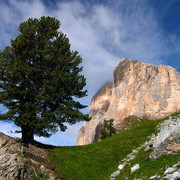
x: 2, y: 168
x: 40, y: 176
x: 98, y: 161
x: 148, y: 167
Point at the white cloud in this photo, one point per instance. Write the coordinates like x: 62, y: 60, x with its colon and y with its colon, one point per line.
x: 101, y: 34
x: 84, y: 36
x: 28, y: 9
x: 13, y: 12
x: 9, y: 129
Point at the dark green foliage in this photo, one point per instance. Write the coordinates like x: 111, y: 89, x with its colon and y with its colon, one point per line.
x: 40, y: 79
x: 108, y: 129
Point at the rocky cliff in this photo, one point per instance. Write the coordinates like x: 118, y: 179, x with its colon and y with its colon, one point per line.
x: 139, y: 89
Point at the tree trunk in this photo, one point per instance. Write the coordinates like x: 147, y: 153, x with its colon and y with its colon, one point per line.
x: 27, y: 135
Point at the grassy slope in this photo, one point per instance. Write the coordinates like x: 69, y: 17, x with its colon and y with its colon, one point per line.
x: 149, y: 167
x: 98, y: 161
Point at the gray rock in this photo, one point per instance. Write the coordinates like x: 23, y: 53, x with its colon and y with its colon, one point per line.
x: 153, y: 177
x: 168, y: 138
x: 174, y: 176
x: 115, y: 174
x: 121, y: 166
x: 135, y: 168
x: 176, y: 165
x: 147, y: 148
x: 131, y: 157
x: 169, y: 171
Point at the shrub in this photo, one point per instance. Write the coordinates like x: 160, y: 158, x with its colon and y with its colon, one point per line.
x: 108, y: 129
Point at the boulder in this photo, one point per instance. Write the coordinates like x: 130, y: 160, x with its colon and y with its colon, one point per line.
x: 174, y: 176
x: 169, y: 171
x: 135, y: 168
x: 167, y: 141
x: 115, y: 174
x: 153, y: 177
x: 121, y: 166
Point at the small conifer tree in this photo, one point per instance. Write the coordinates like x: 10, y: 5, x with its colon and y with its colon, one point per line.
x: 108, y: 129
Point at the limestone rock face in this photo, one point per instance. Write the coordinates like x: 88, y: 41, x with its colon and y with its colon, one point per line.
x: 138, y: 89
x: 99, y: 106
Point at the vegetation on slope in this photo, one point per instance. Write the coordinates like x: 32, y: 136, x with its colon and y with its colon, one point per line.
x: 98, y: 161
x: 148, y: 167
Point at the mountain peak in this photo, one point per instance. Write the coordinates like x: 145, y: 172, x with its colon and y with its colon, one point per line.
x: 138, y: 89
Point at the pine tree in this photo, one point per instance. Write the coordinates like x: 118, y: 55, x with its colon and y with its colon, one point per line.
x: 41, y: 80
x: 108, y: 129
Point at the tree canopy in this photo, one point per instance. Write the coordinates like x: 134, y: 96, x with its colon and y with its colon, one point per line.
x: 41, y: 80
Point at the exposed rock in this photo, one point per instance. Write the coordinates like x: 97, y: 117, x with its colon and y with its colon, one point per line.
x: 138, y: 89
x: 173, y: 173
x: 135, y: 168
x: 99, y: 106
x: 167, y: 140
x: 114, y: 175
x: 101, y: 101
x: 22, y: 163
x: 177, y: 165
x: 121, y: 166
x: 153, y: 177
x: 174, y: 176
x: 169, y: 171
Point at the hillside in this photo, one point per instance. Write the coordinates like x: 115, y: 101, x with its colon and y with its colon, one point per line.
x: 152, y: 145
x: 99, y: 160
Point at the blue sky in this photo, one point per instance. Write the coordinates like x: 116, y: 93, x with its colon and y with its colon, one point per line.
x: 102, y: 32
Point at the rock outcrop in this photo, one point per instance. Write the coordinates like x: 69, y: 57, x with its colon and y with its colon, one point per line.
x: 22, y: 163
x: 166, y: 141
x: 138, y: 89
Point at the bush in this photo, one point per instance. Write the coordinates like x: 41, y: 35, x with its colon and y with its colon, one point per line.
x: 108, y: 129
